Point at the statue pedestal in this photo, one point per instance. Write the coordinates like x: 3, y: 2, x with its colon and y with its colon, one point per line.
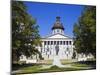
x: 56, y: 61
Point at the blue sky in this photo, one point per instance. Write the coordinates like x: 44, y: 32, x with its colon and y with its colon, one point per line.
x: 46, y: 13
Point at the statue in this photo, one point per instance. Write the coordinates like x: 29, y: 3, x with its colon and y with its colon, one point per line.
x: 57, y: 49
x: 56, y: 59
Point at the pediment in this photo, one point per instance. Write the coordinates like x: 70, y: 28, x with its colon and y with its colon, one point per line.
x: 58, y: 36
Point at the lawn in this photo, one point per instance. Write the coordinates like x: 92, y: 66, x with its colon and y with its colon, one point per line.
x: 40, y: 68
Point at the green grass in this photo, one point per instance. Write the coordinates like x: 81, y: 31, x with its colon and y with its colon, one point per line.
x: 38, y: 68
x: 80, y: 65
x: 49, y: 70
x: 30, y: 69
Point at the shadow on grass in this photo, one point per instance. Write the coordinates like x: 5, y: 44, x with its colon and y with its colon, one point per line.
x: 21, y: 66
x: 88, y: 63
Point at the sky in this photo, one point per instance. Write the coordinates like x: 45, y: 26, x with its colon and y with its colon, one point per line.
x: 45, y: 14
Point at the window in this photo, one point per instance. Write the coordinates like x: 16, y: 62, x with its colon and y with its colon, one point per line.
x: 47, y: 49
x: 69, y: 42
x: 44, y: 42
x: 58, y: 30
x: 51, y: 42
x: 66, y: 42
x: 54, y: 42
x: 48, y: 42
x: 60, y: 42
x: 57, y: 42
x: 63, y: 42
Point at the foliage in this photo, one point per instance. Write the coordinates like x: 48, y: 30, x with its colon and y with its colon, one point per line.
x: 25, y: 34
x: 85, y: 31
x: 74, y: 55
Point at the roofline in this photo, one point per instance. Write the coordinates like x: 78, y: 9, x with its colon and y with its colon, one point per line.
x: 55, y: 34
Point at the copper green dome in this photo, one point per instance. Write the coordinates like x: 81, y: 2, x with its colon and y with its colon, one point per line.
x: 58, y: 24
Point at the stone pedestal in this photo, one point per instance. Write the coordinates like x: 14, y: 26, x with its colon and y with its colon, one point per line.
x: 56, y: 61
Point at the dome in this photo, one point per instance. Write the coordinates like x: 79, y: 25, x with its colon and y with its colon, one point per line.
x: 58, y: 24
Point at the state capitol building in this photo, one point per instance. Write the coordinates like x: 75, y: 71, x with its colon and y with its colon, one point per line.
x: 57, y: 43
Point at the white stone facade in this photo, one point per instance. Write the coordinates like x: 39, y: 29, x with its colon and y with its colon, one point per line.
x: 48, y: 49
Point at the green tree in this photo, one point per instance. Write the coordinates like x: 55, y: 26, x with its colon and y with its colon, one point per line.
x: 25, y: 33
x: 85, y: 31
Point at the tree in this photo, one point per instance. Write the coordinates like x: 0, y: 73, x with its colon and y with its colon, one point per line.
x: 25, y: 33
x: 85, y: 31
